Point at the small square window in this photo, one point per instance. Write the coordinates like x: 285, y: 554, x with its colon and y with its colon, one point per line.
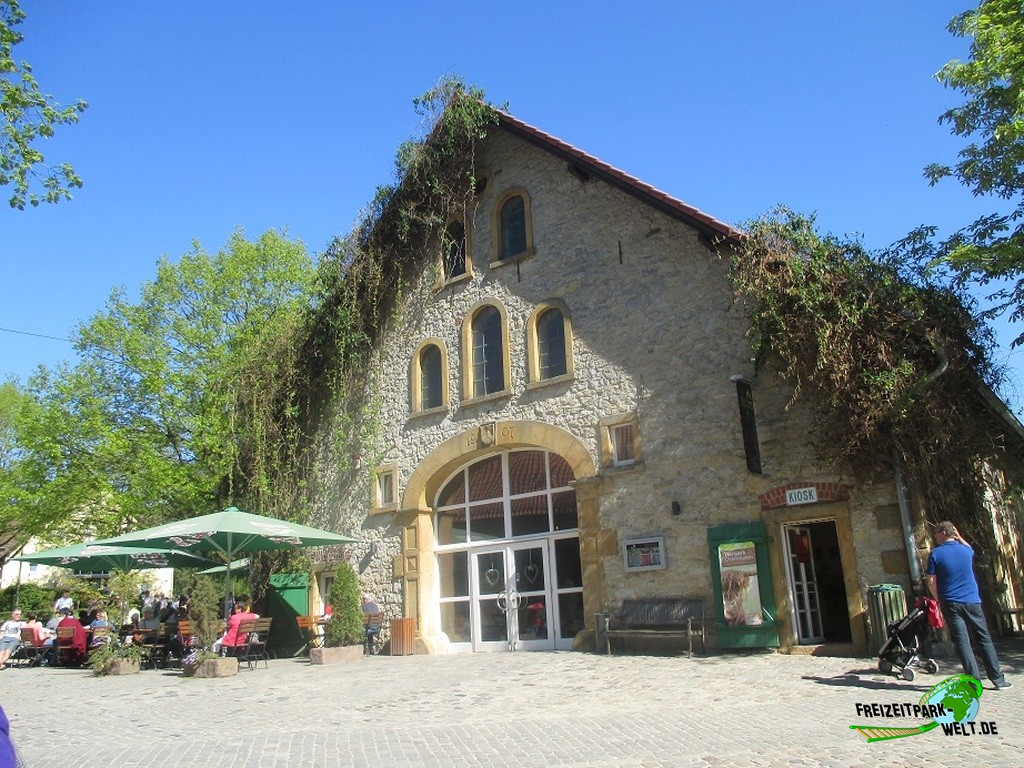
x: 622, y: 444
x: 385, y: 487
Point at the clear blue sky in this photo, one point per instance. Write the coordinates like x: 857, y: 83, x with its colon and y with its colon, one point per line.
x: 210, y: 116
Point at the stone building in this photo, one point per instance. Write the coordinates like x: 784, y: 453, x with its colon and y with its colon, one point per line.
x: 572, y: 418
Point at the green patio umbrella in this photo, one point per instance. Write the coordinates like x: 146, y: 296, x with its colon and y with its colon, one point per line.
x: 229, y: 533
x: 93, y: 557
x: 237, y: 565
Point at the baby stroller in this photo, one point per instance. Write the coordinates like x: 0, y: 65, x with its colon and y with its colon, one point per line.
x: 902, y: 652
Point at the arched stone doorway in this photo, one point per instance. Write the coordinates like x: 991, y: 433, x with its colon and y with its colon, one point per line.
x: 493, y: 531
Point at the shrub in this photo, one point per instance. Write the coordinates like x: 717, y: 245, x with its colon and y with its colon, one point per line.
x: 346, y: 624
x: 101, y: 659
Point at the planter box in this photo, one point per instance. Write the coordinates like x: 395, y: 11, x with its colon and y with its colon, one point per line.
x: 335, y: 655
x: 122, y: 667
x: 223, y: 667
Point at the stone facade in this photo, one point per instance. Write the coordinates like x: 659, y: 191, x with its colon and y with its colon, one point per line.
x: 657, y: 337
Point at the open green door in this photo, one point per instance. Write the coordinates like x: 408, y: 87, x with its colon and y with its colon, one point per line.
x: 741, y: 579
x: 287, y: 597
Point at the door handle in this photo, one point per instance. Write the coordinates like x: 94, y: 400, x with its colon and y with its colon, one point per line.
x: 502, y: 601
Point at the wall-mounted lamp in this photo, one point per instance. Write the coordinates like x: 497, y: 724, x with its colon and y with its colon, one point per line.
x: 676, y: 509
x: 373, y: 549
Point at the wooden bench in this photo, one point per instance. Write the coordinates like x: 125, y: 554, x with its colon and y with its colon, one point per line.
x: 668, y: 617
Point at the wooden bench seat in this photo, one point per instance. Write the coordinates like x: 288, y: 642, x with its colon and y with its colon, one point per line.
x: 661, y: 617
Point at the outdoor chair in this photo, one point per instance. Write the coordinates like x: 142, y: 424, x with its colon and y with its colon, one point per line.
x: 154, y: 648
x: 28, y: 651
x: 309, y: 630
x: 67, y: 654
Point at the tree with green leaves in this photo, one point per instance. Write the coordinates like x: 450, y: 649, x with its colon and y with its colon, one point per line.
x: 990, y: 249
x: 27, y: 115
x: 147, y: 426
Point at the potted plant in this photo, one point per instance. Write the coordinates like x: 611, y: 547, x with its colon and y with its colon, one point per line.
x: 205, y: 622
x: 344, y: 635
x: 115, y: 659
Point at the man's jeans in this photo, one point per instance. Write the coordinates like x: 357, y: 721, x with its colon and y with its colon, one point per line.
x: 966, y: 620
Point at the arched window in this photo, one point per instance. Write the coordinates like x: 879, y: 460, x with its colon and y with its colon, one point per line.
x: 513, y: 227
x: 551, y: 344
x: 454, y: 250
x: 428, y: 377
x: 431, y: 394
x: 488, y: 352
x: 512, y: 231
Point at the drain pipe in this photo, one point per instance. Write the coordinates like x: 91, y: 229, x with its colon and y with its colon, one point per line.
x: 897, y: 463
x: 908, y: 531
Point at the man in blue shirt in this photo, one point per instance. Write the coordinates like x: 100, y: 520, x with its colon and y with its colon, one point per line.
x: 951, y: 581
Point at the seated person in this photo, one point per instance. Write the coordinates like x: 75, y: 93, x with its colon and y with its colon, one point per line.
x: 74, y: 652
x: 371, y: 620
x: 10, y: 636
x: 64, y: 601
x: 100, y: 623
x: 146, y: 629
x: 43, y: 637
x: 232, y: 638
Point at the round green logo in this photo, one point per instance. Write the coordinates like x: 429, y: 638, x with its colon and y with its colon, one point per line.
x: 958, y: 696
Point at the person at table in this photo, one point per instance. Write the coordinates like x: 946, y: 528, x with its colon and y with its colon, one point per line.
x: 75, y: 652
x: 64, y: 601
x: 232, y: 638
x: 10, y: 636
x: 100, y: 623
x: 42, y: 637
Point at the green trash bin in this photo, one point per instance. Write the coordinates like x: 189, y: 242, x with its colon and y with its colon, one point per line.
x: 886, y: 603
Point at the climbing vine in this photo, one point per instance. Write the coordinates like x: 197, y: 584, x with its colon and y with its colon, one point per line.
x: 892, y: 359
x: 318, y: 372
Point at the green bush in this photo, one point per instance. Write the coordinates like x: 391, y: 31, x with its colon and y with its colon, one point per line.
x: 31, y: 597
x: 101, y: 659
x: 346, y: 624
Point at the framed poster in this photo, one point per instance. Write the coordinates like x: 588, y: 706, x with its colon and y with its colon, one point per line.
x: 741, y: 599
x: 644, y: 554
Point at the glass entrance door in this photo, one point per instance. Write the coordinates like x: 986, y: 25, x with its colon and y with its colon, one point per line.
x: 511, y: 598
x: 804, y: 585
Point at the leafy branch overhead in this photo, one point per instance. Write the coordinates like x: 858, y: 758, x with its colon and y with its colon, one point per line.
x: 991, y: 248
x: 27, y: 116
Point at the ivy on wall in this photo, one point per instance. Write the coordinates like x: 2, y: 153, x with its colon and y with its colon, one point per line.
x: 892, y: 361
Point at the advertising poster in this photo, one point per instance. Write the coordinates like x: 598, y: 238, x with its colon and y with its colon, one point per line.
x: 741, y: 597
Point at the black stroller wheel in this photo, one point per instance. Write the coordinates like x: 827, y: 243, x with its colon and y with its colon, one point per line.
x: 884, y: 667
x: 908, y: 674
x: 931, y: 667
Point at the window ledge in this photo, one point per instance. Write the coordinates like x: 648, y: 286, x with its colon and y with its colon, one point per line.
x: 622, y: 469
x: 429, y: 411
x: 385, y: 510
x: 565, y: 378
x: 486, y: 398
x: 452, y: 281
x: 527, y: 254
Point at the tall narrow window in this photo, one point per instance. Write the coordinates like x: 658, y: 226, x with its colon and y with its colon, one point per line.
x: 454, y: 250
x: 488, y: 354
x: 513, y: 227
x: 551, y: 358
x: 748, y: 424
x: 431, y: 392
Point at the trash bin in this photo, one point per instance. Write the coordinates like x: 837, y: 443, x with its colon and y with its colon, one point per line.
x: 886, y: 603
x: 403, y: 637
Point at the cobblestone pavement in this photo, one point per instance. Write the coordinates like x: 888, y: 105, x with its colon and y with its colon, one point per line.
x: 525, y: 709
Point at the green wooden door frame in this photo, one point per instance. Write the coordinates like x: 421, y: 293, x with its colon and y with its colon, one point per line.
x: 766, y: 634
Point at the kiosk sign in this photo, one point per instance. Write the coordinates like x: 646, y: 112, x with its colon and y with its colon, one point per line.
x: 796, y: 496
